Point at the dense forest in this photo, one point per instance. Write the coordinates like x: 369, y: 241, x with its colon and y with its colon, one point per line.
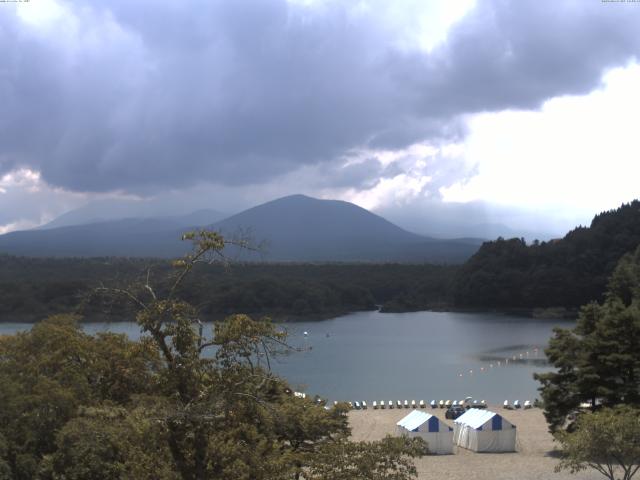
x: 31, y: 288
x: 502, y: 275
x: 566, y: 272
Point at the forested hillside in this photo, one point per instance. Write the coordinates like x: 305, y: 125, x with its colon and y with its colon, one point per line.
x: 31, y: 288
x: 566, y: 272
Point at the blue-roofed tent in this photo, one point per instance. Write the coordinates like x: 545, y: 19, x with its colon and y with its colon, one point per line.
x: 484, y: 431
x: 437, y: 434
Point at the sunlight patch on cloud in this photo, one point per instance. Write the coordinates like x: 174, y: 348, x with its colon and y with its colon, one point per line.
x: 19, y: 225
x: 577, y: 152
x: 41, y: 12
x: 397, y: 190
x: 409, y: 174
x: 27, y: 201
x: 22, y: 178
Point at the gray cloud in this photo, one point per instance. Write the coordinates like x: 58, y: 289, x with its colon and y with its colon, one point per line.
x: 429, y: 216
x: 148, y: 95
x: 508, y: 54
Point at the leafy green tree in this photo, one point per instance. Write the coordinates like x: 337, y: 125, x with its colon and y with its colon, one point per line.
x: 607, y: 441
x: 110, y: 443
x: 47, y: 374
x: 599, y: 360
x: 388, y: 459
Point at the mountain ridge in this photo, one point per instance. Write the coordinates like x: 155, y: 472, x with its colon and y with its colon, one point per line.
x: 295, y: 228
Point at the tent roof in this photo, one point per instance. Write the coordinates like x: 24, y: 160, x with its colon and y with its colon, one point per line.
x: 414, y: 420
x: 475, y: 417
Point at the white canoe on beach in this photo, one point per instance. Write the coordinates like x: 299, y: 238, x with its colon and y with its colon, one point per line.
x: 433, y: 404
x: 441, y: 403
x: 382, y: 405
x: 375, y: 405
x: 390, y: 404
x: 422, y: 405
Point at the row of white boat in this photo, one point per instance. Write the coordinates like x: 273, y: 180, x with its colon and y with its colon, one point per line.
x: 467, y: 403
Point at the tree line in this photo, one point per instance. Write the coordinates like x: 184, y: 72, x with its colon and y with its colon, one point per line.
x: 32, y: 288
x: 566, y: 272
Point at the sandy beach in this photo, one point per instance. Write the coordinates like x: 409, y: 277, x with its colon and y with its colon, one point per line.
x: 532, y: 461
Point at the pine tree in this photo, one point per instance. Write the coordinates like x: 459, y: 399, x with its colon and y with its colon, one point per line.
x: 599, y: 360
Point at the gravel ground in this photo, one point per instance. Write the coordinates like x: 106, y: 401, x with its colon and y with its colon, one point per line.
x: 533, y: 460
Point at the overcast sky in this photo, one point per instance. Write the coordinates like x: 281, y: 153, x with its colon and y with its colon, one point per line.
x: 436, y: 114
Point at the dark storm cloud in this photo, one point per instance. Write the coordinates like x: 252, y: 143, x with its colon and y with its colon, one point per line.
x: 153, y: 94
x: 517, y: 54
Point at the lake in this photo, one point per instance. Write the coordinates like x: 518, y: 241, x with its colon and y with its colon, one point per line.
x: 397, y: 356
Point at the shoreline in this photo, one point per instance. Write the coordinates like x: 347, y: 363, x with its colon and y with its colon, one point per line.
x: 535, y: 458
x: 553, y: 313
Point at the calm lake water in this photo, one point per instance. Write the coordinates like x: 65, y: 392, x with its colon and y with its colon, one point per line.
x: 422, y: 355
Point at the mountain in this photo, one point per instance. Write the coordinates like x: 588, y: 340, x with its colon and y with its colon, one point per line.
x: 567, y: 272
x: 300, y: 228
x: 103, y: 212
x: 294, y: 228
x: 128, y: 237
x: 133, y: 237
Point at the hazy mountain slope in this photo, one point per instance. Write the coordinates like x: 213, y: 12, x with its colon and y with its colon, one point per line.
x: 129, y: 237
x: 87, y: 215
x: 295, y: 228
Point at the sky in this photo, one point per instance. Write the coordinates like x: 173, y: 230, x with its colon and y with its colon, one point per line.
x: 457, y: 118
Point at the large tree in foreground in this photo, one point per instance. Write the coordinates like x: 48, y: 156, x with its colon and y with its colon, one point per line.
x: 180, y: 403
x: 607, y: 441
x: 598, y: 361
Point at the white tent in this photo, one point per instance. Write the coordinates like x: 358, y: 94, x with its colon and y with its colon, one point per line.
x: 484, y: 431
x: 437, y: 434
